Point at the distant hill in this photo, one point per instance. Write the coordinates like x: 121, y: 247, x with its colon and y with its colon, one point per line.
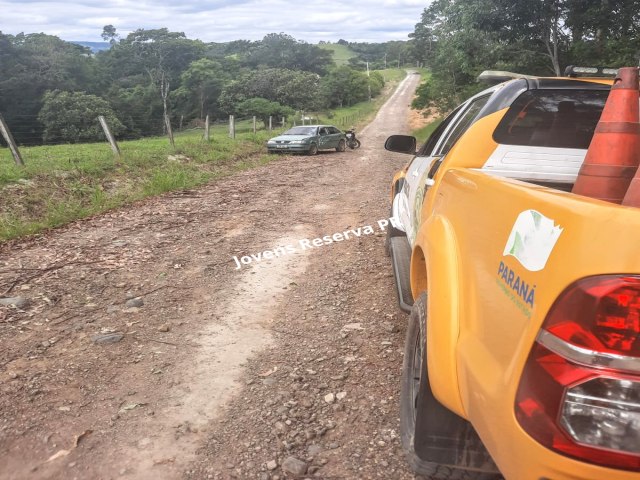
x: 94, y: 46
x: 341, y: 53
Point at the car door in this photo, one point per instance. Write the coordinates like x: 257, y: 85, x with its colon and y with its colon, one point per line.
x: 420, y: 176
x: 335, y: 136
x: 402, y: 202
x: 324, y: 139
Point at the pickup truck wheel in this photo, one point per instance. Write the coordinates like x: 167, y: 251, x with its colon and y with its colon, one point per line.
x: 342, y: 146
x: 415, y: 388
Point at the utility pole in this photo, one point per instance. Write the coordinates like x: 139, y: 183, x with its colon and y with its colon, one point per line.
x: 369, y: 81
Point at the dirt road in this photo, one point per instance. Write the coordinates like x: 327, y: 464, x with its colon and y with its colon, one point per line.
x: 139, y: 349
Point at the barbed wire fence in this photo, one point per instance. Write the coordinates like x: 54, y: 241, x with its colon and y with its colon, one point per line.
x: 27, y: 131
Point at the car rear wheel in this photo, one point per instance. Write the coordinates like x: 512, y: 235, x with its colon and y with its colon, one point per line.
x: 415, y: 389
x: 342, y: 146
x: 313, y: 149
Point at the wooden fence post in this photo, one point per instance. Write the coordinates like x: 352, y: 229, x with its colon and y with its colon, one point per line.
x: 255, y: 128
x: 270, y: 123
x: 6, y: 134
x: 232, y: 126
x: 110, y: 138
x: 207, y: 126
x: 167, y: 124
x: 284, y: 119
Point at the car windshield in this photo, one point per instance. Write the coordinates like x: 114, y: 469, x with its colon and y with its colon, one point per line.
x: 301, y: 131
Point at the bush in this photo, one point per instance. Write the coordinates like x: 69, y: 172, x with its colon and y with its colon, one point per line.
x: 73, y: 117
x: 263, y: 109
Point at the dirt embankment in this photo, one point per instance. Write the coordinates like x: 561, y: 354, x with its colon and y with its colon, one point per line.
x: 137, y: 349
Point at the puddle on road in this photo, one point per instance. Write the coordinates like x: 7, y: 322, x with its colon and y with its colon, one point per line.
x: 238, y: 330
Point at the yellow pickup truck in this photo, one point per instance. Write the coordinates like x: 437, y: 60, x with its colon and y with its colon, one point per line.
x: 522, y: 357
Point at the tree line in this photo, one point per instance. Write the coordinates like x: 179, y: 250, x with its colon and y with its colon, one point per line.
x: 52, y: 90
x: 458, y: 39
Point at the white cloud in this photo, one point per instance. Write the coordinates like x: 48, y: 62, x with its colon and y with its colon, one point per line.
x: 217, y: 20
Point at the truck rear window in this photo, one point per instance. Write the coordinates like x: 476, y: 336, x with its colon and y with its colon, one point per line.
x: 552, y: 118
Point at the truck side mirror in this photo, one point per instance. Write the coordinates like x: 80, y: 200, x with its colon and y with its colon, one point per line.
x: 401, y: 144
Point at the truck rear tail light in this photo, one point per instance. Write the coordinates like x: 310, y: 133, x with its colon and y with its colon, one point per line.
x: 604, y: 412
x: 579, y: 393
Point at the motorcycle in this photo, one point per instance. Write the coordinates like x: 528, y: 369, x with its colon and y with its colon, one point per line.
x: 352, y: 141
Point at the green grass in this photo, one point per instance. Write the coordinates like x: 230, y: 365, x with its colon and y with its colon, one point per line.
x: 393, y: 75
x: 341, y: 53
x: 423, y: 133
x: 425, y: 72
x: 63, y: 183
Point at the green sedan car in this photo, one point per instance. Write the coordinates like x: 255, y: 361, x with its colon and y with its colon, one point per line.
x: 308, y: 139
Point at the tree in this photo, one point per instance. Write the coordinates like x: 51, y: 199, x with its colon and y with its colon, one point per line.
x: 296, y: 89
x: 200, y: 86
x: 463, y: 38
x: 263, y: 109
x: 138, y: 107
x: 159, y: 55
x: 109, y: 34
x: 458, y: 39
x: 376, y: 83
x: 424, y: 37
x: 35, y: 63
x: 381, y: 55
x: 604, y: 32
x: 344, y: 86
x: 73, y: 117
x: 278, y: 50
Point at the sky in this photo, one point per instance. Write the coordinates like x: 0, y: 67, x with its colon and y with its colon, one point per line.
x: 217, y: 20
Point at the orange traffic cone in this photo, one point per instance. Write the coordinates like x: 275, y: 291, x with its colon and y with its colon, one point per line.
x: 614, y: 154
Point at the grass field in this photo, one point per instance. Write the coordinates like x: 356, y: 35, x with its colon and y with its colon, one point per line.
x: 423, y: 133
x: 65, y: 182
x: 341, y: 53
x: 62, y: 183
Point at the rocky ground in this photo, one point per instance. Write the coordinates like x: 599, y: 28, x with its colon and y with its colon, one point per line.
x: 134, y: 346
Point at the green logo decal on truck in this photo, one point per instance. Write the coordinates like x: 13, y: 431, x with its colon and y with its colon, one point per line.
x: 532, y: 240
